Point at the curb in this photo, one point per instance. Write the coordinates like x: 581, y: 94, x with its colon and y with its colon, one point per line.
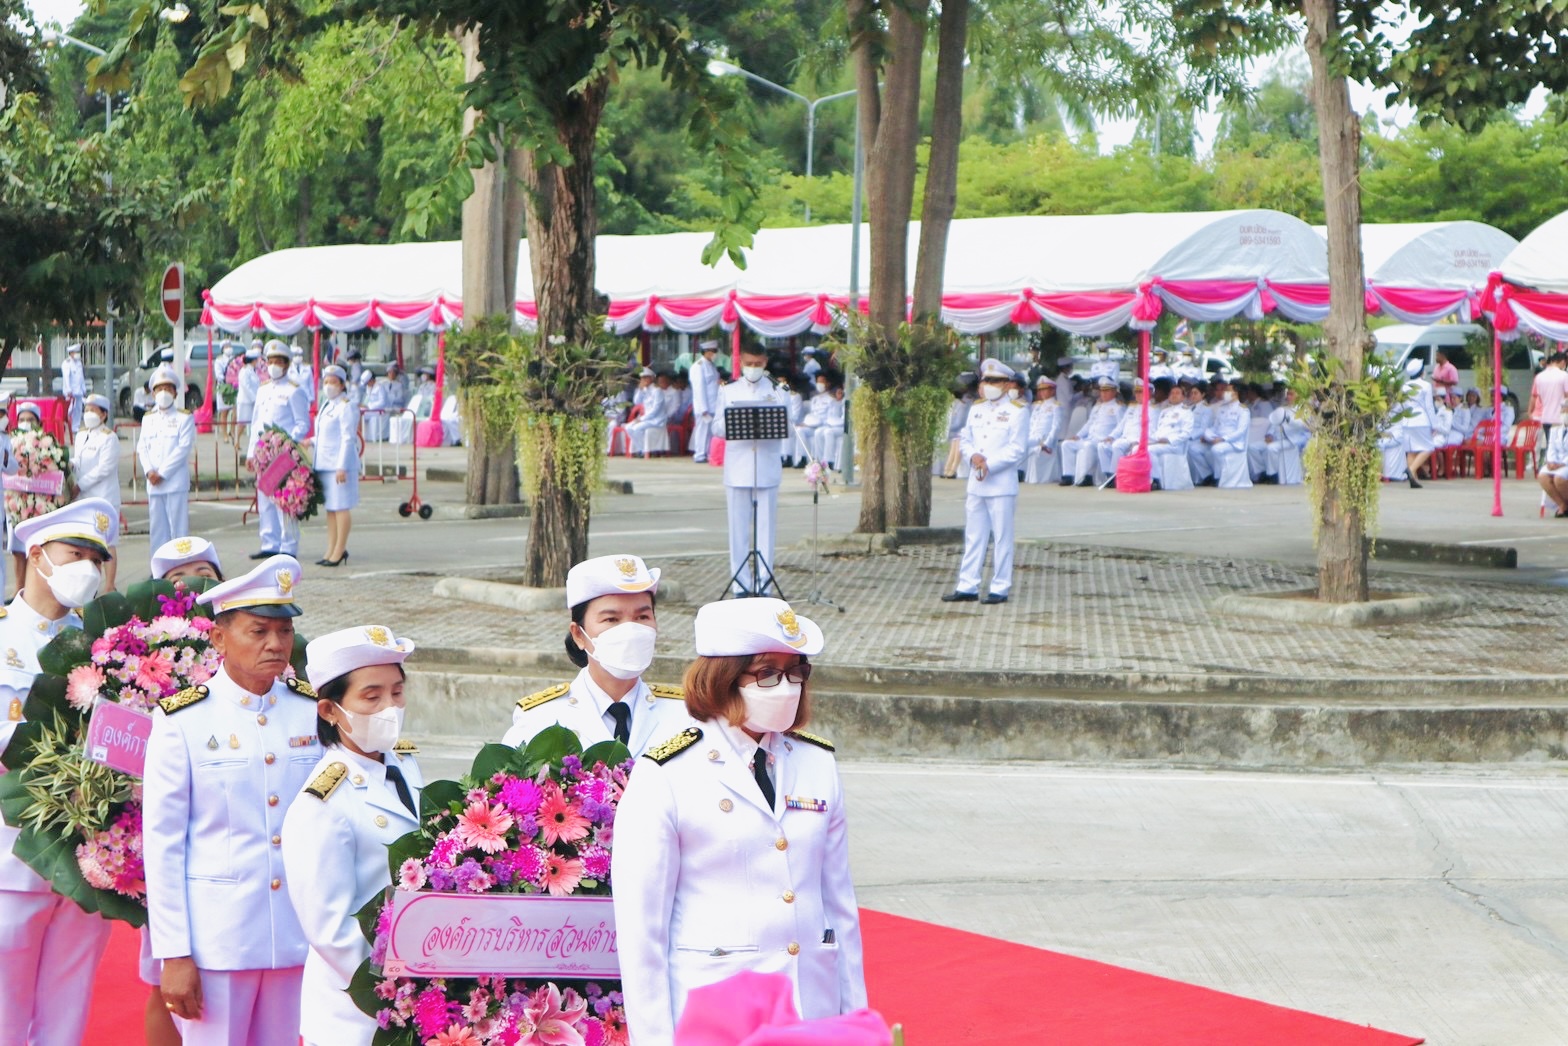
x: 1456, y: 555
x: 518, y: 511
x: 445, y: 474
x: 520, y: 597
x: 1300, y: 607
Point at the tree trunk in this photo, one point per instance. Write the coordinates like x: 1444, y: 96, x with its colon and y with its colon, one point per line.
x: 890, y: 129
x: 1342, y: 540
x: 489, y: 289
x: 562, y: 220
x: 947, y: 127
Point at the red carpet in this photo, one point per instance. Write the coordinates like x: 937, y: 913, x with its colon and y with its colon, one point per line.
x: 1011, y: 994
x: 1016, y: 994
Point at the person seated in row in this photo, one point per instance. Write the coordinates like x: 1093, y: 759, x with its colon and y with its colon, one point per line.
x: 1199, y: 394
x: 1444, y: 432
x: 1128, y: 432
x: 1224, y: 442
x: 1080, y: 455
x: 1276, y: 458
x: 817, y: 412
x: 1160, y: 366
x: 1045, y: 420
x: 1467, y: 415
x: 1553, y: 476
x: 1168, y: 445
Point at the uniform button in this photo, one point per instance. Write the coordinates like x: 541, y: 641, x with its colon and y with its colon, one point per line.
x: 793, y: 949
x: 269, y: 759
x: 713, y: 755
x: 262, y: 719
x: 359, y: 779
x: 272, y: 800
x: 245, y: 701
x: 381, y: 820
x: 277, y: 840
x: 726, y: 805
x: 782, y: 844
x: 789, y: 896
x: 277, y: 883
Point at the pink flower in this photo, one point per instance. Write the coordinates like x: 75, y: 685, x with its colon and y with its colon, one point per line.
x: 173, y: 627
x: 155, y: 672
x: 550, y: 1020
x: 562, y: 876
x: 560, y: 820
x: 483, y: 827
x: 456, y: 1035
x: 82, y: 686
x: 411, y: 875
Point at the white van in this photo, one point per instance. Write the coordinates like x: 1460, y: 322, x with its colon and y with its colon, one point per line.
x: 1401, y: 341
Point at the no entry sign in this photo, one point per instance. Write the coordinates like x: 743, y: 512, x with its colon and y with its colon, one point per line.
x: 174, y: 293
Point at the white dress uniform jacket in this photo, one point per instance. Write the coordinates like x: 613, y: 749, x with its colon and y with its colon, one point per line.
x: 337, y: 437
x: 704, y: 379
x: 999, y: 430
x: 281, y: 403
x: 164, y: 446
x: 1081, y: 458
x: 245, y: 397
x: 222, y: 767
x: 739, y: 469
x: 709, y: 881
x: 658, y: 713
x: 96, y: 461
x: 335, y: 839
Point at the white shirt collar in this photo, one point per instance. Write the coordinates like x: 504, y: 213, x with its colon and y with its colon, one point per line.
x: 741, y: 741
x: 21, y: 611
x: 602, y: 701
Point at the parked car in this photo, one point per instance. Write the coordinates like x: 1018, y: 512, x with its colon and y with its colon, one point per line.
x: 1402, y: 341
x: 195, y: 373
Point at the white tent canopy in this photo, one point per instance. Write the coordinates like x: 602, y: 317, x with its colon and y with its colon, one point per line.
x: 1540, y: 261
x: 1433, y: 255
x: 1085, y: 273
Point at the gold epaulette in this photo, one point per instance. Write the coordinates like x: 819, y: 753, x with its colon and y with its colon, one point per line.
x: 667, y: 750
x: 546, y: 695
x: 327, y: 780
x: 301, y: 687
x: 811, y: 739
x: 184, y: 699
x: 405, y: 748
x: 674, y: 693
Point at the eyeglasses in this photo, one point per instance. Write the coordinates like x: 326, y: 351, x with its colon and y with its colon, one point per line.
x: 770, y: 676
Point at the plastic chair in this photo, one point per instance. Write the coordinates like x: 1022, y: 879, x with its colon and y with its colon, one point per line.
x: 1522, y: 446
x: 1478, y: 449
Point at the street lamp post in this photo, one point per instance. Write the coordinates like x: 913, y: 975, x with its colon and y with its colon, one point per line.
x: 718, y: 68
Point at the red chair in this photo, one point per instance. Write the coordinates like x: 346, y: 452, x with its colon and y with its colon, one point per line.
x: 680, y: 433
x: 618, y: 430
x: 1478, y: 449
x: 1522, y: 447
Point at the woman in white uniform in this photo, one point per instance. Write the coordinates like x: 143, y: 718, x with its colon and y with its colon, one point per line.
x: 96, y: 461
x: 363, y: 795
x: 186, y: 556
x: 337, y: 461
x: 731, y: 841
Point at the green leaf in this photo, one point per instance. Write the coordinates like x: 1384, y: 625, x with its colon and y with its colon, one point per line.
x: 70, y: 649
x: 494, y: 758
x: 143, y: 597
x: 548, y: 747
x: 369, y: 915
x: 362, y: 989
x: 297, y: 656
x: 46, y: 701
x: 414, y: 844
x: 14, y: 799
x: 437, y: 798
x: 54, y: 859
x: 610, y: 753
x: 109, y: 610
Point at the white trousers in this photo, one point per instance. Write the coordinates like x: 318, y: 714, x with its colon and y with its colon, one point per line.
x: 1111, y: 454
x: 246, y: 1008
x: 1260, y: 457
x: 1198, y: 463
x: 1394, y: 464
x: 639, y: 431
x: 740, y: 532
x: 279, y: 532
x: 168, y: 517
x: 1084, y: 456
x: 1168, y: 464
x: 830, y: 440
x: 49, y: 954
x: 76, y: 413
x: 1285, y: 463
x: 1231, y: 465
x: 987, y: 520
x: 701, y: 435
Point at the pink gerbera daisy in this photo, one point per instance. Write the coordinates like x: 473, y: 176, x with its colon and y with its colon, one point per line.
x: 456, y: 1035
x: 562, y: 875
x: 561, y: 820
x: 484, y: 827
x: 82, y: 686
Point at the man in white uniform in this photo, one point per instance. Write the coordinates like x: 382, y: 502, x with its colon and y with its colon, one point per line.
x: 249, y: 384
x: 1045, y: 420
x: 704, y: 399
x: 1128, y: 433
x: 224, y: 761
x: 73, y: 383
x: 1168, y: 443
x: 164, y: 449
x: 753, y: 470
x: 49, y: 948
x: 995, y: 442
x: 1103, y: 366
x: 282, y: 403
x: 1080, y: 455
x: 1225, y: 441
x: 611, y: 638
x: 301, y: 373
x: 655, y: 412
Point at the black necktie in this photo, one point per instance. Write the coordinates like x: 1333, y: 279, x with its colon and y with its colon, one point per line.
x: 622, y: 714
x: 759, y: 770
x: 396, y: 777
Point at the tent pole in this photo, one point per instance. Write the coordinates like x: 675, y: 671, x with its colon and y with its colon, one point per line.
x: 1497, y: 423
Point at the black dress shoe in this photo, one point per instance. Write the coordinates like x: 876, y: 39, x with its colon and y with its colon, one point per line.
x: 1154, y: 484
x: 1065, y: 481
x: 323, y: 562
x: 263, y: 554
x: 1413, y: 484
x: 991, y: 599
x: 962, y: 597
x: 1086, y: 482
x: 1110, y: 484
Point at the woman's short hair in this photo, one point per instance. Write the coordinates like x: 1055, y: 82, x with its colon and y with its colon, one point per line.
x: 713, y: 690
x: 327, y: 733
x: 577, y: 654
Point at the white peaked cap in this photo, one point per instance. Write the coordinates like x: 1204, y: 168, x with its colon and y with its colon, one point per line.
x: 267, y: 591
x: 90, y: 523
x: 177, y: 552
x: 743, y: 627
x: 996, y: 369
x: 336, y: 654
x: 609, y: 576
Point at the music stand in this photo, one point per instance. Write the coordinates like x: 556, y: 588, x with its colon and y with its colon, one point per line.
x: 754, y: 424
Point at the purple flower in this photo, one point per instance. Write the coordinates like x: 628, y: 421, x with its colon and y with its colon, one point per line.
x: 441, y: 880
x: 522, y: 797
x: 571, y: 766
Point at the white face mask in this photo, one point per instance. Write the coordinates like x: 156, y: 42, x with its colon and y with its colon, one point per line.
x: 163, y: 400
x: 334, y: 391
x: 754, y: 373
x: 73, y: 583
x: 822, y: 386
x: 275, y: 371
x: 23, y: 426
x: 1014, y: 394
x: 625, y: 650
x: 771, y: 708
x: 376, y: 732
x: 92, y: 419
x: 991, y: 392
